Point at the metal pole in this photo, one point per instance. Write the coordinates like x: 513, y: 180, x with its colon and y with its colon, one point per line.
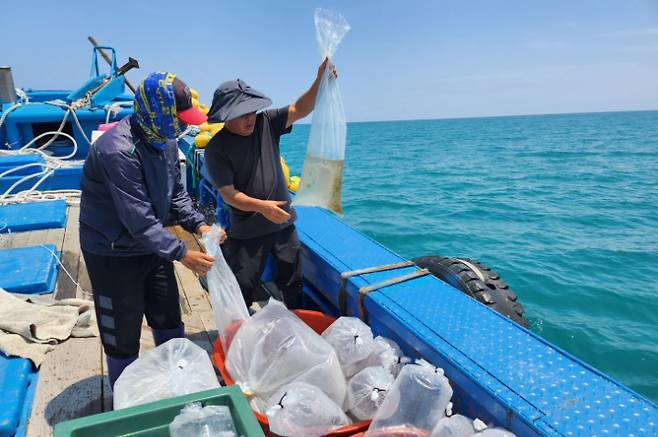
x: 107, y: 58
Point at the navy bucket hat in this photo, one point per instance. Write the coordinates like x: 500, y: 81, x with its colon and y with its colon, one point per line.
x: 235, y: 98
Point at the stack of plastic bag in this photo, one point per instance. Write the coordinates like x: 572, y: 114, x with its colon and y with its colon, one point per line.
x: 209, y: 421
x: 274, y: 348
x: 322, y: 173
x: 415, y: 401
x: 301, y: 409
x: 175, y: 368
x: 225, y: 296
x: 386, y: 353
x: 367, y: 390
x: 351, y: 338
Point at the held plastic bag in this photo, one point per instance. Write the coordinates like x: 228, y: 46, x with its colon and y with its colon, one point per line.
x: 367, y: 390
x: 209, y: 421
x: 386, y: 353
x: 274, y: 348
x: 301, y: 409
x: 225, y: 296
x: 322, y: 174
x: 454, y: 426
x: 417, y: 399
x: 351, y: 338
x: 175, y: 368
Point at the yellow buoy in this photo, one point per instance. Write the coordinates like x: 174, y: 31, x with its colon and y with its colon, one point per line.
x: 204, y: 127
x: 202, y: 140
x: 294, y: 182
x: 213, y: 128
x: 195, y: 102
x: 204, y: 109
x: 286, y: 171
x: 194, y: 93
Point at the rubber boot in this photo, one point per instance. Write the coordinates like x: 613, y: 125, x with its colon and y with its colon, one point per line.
x: 164, y: 335
x: 116, y: 365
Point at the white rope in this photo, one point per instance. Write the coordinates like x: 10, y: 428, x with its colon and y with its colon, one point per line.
x: 472, y: 268
x: 72, y: 197
x: 114, y: 109
x: 51, y: 162
x: 59, y: 261
x: 22, y: 95
x: 21, y: 167
x: 4, y: 115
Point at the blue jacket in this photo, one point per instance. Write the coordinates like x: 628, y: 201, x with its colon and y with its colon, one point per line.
x: 130, y: 191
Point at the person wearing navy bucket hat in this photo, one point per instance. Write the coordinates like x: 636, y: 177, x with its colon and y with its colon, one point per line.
x: 243, y: 161
x: 130, y: 188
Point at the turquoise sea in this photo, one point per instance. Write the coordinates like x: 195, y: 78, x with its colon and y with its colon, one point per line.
x: 564, y: 207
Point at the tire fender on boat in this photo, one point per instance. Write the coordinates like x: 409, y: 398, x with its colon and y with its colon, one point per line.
x: 477, y: 281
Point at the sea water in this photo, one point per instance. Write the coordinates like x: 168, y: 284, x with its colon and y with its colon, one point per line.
x: 564, y: 207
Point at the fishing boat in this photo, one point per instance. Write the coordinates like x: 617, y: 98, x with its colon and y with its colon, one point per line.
x: 455, y: 313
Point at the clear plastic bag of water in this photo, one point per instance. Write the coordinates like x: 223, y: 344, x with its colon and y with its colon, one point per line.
x: 322, y: 173
x: 454, y: 426
x: 195, y: 420
x: 386, y: 353
x: 226, y: 298
x: 275, y: 347
x: 351, y: 338
x: 367, y: 390
x: 175, y: 368
x: 417, y: 399
x: 301, y: 409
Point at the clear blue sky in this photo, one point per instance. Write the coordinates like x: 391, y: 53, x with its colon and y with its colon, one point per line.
x: 401, y: 60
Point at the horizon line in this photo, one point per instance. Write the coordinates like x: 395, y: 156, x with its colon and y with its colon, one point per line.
x: 539, y: 114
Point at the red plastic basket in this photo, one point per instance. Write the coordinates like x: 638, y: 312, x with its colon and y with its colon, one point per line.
x: 318, y: 322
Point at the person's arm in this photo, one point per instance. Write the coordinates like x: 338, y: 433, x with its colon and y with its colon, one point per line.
x: 305, y: 104
x: 222, y: 175
x: 127, y: 188
x: 271, y: 209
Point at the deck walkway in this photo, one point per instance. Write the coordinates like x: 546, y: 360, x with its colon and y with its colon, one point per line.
x: 73, y: 380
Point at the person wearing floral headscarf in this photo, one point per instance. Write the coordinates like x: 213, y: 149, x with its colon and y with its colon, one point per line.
x: 131, y: 189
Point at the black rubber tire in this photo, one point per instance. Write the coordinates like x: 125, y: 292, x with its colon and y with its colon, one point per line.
x: 492, y: 292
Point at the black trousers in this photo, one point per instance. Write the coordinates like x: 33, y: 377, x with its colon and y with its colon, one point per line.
x: 127, y: 288
x: 247, y: 258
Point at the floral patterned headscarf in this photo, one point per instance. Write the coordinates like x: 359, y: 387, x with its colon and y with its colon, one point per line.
x: 155, y: 109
